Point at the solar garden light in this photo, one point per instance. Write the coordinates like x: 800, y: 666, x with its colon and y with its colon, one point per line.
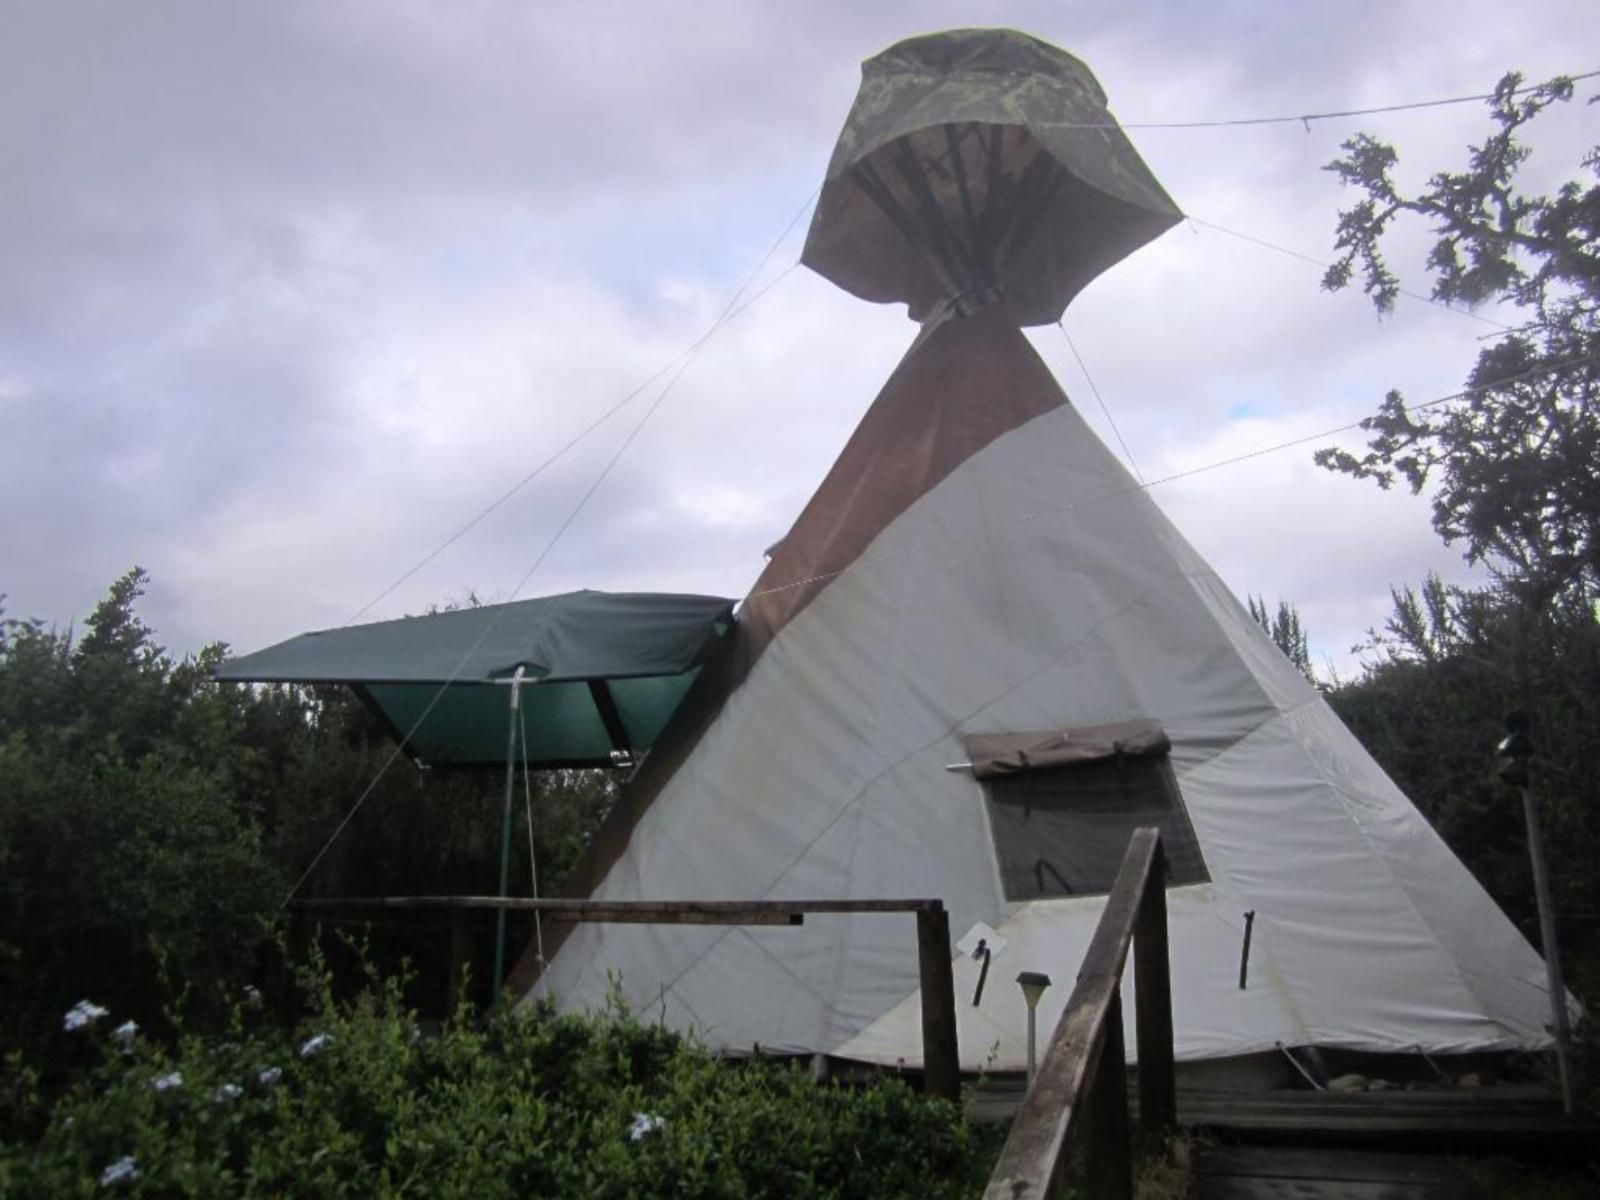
x: 1513, y: 757
x: 1033, y: 986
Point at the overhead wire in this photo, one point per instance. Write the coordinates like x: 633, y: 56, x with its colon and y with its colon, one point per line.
x: 1305, y: 119
x: 1260, y: 452
x: 728, y: 313
x: 1501, y: 326
x: 1112, y: 421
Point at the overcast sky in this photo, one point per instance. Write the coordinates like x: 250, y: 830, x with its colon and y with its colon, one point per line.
x: 290, y: 291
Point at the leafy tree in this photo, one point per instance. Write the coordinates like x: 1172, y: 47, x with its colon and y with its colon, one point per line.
x: 1513, y: 465
x: 124, y: 854
x: 153, y: 820
x: 1450, y: 663
x: 1515, y: 459
x: 1284, y: 628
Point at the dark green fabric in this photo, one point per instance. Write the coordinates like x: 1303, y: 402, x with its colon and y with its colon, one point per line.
x: 981, y: 162
x: 644, y: 649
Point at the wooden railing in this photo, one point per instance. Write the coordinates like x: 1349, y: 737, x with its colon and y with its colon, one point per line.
x: 940, y: 1053
x: 1079, y: 1094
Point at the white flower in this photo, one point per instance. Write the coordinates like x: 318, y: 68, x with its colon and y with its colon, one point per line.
x: 167, y: 1082
x: 228, y: 1091
x: 119, y: 1172
x: 644, y: 1123
x: 270, y: 1076
x: 84, y: 1012
x: 252, y: 994
x: 316, y: 1045
x: 126, y: 1032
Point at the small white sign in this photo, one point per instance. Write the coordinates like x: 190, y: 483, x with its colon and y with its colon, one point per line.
x: 981, y: 933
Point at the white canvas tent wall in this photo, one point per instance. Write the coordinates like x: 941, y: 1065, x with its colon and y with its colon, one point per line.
x: 1030, y: 585
x: 977, y: 562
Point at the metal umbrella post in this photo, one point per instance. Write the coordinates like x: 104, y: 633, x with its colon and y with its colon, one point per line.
x: 505, y: 837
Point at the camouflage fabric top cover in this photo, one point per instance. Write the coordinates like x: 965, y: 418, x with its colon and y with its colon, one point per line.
x: 976, y: 165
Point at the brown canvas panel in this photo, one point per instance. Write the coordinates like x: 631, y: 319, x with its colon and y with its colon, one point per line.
x: 996, y: 755
x: 963, y: 383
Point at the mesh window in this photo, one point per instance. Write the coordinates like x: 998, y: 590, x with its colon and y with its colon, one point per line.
x: 1063, y: 832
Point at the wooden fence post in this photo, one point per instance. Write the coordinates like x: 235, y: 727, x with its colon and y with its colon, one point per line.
x: 460, y: 960
x: 295, y: 942
x: 941, y: 1057
x: 1109, y: 1166
x: 1158, y: 1098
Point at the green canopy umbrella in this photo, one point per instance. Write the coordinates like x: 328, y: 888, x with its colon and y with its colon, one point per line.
x: 607, y: 669
x: 981, y: 163
x: 582, y: 679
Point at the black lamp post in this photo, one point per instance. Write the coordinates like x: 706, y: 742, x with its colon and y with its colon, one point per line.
x: 1514, y: 756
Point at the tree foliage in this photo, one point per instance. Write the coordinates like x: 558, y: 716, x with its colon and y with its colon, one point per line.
x: 1514, y: 460
x: 361, y: 1102
x: 1283, y: 627
x: 1513, y: 467
x: 152, y: 821
x: 1450, y: 664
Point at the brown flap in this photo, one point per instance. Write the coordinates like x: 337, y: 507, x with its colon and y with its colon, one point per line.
x: 998, y: 754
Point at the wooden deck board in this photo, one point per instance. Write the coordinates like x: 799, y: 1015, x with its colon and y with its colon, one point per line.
x: 1467, y: 1121
x: 1270, y: 1173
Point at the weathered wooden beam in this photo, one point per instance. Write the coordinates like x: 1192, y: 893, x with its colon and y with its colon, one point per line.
x: 606, y: 914
x: 295, y: 946
x: 606, y: 705
x: 460, y: 959
x: 1152, y: 971
x: 941, y: 1054
x: 1108, y: 1169
x: 664, y: 910
x: 1030, y: 1162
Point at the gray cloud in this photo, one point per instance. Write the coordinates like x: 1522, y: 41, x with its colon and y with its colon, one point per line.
x: 292, y: 290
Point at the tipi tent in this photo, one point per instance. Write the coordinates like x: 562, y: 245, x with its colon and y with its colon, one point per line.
x: 980, y: 657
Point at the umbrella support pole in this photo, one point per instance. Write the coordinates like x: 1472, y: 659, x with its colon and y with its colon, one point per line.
x: 505, y: 839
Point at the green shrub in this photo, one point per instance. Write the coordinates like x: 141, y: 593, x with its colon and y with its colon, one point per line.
x: 530, y: 1104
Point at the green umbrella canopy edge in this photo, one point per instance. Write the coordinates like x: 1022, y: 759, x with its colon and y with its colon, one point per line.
x: 607, y: 670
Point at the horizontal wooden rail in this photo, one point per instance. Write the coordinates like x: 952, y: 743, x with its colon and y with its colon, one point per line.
x: 1083, y: 1078
x: 664, y: 912
x: 940, y: 1050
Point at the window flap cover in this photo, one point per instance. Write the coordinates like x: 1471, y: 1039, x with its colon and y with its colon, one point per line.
x: 998, y: 754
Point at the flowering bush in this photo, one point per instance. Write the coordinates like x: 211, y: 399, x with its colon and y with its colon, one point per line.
x: 530, y: 1104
